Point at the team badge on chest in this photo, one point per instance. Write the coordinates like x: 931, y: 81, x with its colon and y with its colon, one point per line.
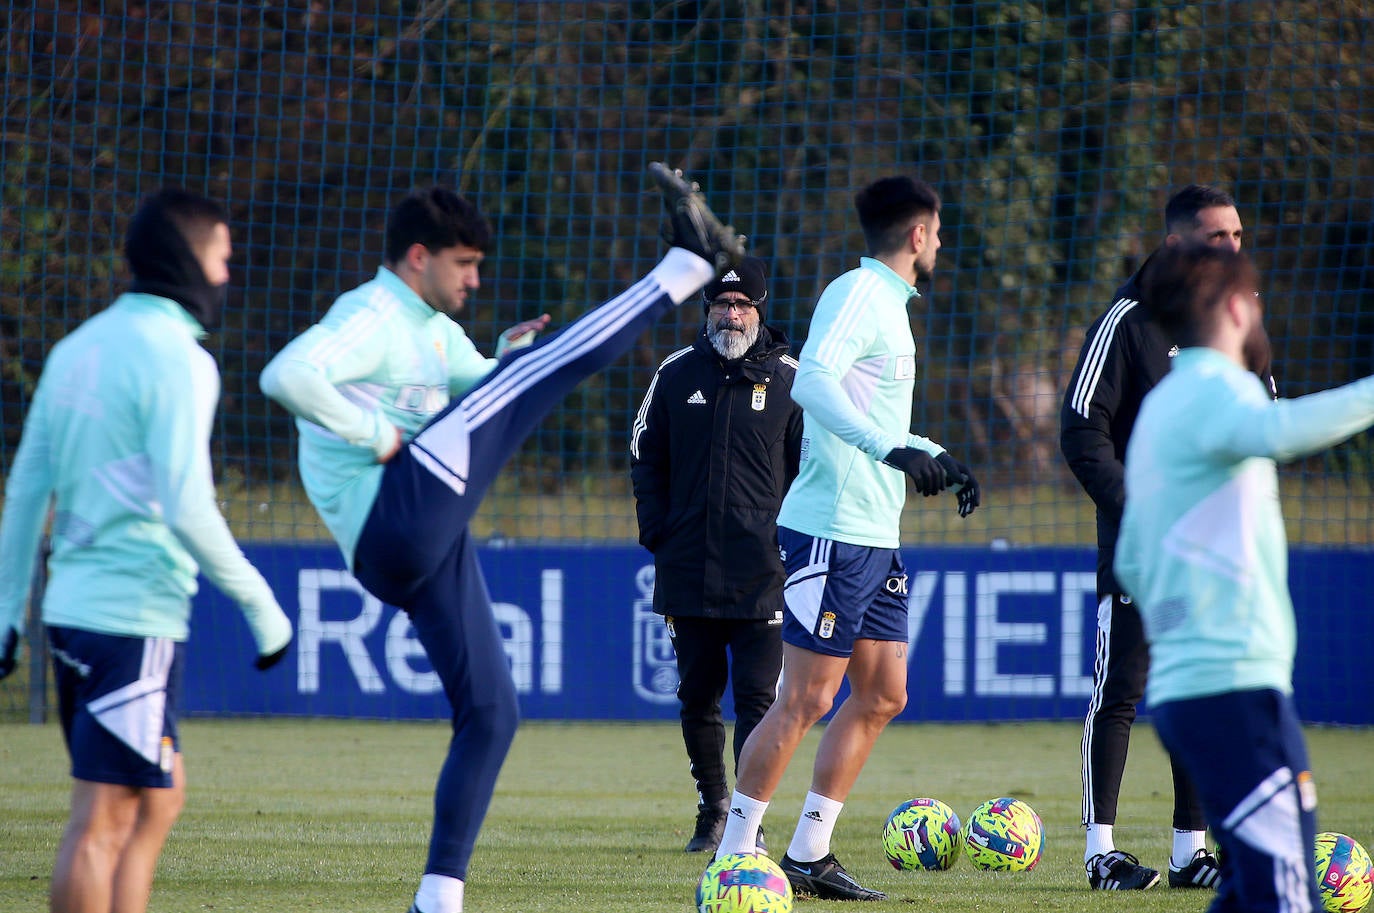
x: 760, y: 397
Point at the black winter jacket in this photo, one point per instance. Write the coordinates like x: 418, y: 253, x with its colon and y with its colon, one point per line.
x: 1124, y: 355
x: 714, y: 447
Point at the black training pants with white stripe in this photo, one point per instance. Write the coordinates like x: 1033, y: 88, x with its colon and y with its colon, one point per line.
x: 416, y: 552
x: 1119, y: 673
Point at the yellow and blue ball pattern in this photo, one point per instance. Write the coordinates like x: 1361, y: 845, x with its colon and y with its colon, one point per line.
x: 1343, y: 873
x: 921, y: 834
x: 1003, y: 835
x: 744, y: 883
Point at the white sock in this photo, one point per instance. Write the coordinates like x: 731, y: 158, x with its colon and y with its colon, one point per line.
x: 682, y: 274
x: 811, y: 839
x: 1186, y: 843
x: 741, y: 825
x: 1100, y: 841
x: 439, y: 894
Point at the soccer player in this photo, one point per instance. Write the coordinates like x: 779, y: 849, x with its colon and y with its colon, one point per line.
x: 715, y: 445
x: 1203, y: 552
x: 846, y: 589
x: 1124, y: 355
x: 403, y: 426
x: 117, y: 442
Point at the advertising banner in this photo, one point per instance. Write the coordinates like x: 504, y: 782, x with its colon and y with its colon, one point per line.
x: 995, y: 634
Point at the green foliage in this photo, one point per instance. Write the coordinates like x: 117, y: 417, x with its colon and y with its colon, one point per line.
x: 1054, y: 131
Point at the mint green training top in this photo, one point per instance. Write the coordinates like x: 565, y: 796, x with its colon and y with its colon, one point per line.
x: 855, y: 385
x: 117, y: 440
x: 1202, y: 549
x: 380, y: 359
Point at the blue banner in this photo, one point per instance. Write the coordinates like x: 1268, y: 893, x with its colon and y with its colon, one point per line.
x: 996, y: 634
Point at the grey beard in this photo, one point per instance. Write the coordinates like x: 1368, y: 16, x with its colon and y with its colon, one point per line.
x: 731, y: 344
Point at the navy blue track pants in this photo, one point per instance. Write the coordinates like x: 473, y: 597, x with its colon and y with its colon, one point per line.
x: 416, y: 551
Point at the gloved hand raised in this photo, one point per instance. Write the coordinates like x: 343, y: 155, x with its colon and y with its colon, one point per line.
x: 928, y: 475
x: 962, y: 481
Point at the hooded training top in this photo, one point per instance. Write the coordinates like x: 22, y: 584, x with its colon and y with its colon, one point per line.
x: 855, y: 383
x: 1202, y: 547
x: 381, y: 359
x: 118, y: 439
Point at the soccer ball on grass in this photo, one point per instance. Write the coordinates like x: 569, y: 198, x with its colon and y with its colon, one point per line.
x: 744, y: 883
x: 1003, y: 835
x: 921, y: 834
x: 1343, y: 873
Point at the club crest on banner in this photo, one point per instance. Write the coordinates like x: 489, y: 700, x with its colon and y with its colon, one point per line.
x: 655, y: 665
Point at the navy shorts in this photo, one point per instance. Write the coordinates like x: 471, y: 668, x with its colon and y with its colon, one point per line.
x: 118, y: 699
x: 838, y: 593
x: 1245, y: 753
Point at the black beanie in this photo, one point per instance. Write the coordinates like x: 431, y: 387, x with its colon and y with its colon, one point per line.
x: 749, y: 277
x: 161, y: 258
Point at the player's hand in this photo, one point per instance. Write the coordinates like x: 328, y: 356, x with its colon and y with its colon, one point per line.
x: 526, y: 327
x: 394, y: 449
x: 268, y: 660
x: 271, y: 632
x: 962, y: 481
x: 521, y: 335
x: 9, y: 651
x: 928, y: 475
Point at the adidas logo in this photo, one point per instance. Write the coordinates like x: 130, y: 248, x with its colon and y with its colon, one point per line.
x: 731, y: 276
x: 696, y: 399
x: 813, y: 815
x: 737, y: 811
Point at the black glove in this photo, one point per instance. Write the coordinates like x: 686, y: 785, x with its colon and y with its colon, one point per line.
x: 268, y: 660
x: 961, y: 479
x: 9, y: 649
x: 921, y: 466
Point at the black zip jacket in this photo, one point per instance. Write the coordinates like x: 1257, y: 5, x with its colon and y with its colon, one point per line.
x: 1124, y: 355
x: 714, y: 447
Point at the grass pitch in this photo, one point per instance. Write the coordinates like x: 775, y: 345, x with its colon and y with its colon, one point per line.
x: 333, y: 815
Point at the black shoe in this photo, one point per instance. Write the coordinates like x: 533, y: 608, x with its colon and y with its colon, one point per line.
x: 1202, y: 872
x: 1118, y: 871
x: 826, y: 878
x: 710, y: 827
x: 760, y: 845
x: 691, y: 223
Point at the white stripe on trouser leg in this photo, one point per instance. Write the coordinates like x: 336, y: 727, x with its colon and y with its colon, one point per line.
x: 1102, y: 644
x: 1269, y: 820
x: 804, y: 590
x: 136, y: 713
x: 592, y: 330
x: 444, y: 448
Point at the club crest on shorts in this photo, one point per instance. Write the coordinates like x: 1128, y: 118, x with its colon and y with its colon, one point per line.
x: 826, y: 629
x: 760, y: 397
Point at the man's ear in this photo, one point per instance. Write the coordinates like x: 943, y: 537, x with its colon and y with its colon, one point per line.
x: 920, y: 234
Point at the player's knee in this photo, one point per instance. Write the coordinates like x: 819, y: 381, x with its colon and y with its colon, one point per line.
x: 808, y: 706
x: 492, y: 723
x: 881, y: 705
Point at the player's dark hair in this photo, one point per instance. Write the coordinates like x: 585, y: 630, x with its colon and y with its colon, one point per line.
x: 888, y: 206
x: 437, y: 218
x: 1180, y: 213
x: 1184, y: 286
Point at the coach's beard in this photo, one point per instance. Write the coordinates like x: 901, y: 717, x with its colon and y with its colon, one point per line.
x: 731, y: 338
